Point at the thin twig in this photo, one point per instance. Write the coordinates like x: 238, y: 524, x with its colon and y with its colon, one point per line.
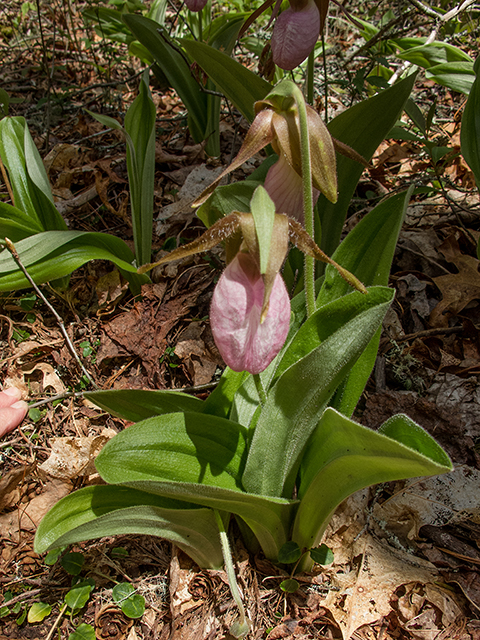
x: 57, y: 622
x: 16, y: 257
x: 7, y: 182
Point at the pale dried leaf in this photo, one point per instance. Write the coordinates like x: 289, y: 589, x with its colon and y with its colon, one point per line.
x: 71, y: 457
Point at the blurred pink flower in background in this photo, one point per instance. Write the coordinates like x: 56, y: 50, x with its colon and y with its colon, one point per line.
x: 246, y: 343
x: 195, y: 5
x: 295, y: 33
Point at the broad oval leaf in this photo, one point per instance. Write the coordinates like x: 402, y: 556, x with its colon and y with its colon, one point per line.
x: 289, y: 553
x: 198, y: 458
x: 177, y: 447
x: 458, y: 76
x: 73, y: 562
x: 134, y: 606
x: 122, y: 591
x: 94, y: 512
x: 298, y: 399
x: 78, y: 596
x: 322, y: 554
x: 38, y: 611
x: 138, y: 404
x: 290, y: 585
x: 343, y: 457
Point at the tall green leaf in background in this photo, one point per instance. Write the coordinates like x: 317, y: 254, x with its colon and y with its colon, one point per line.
x: 362, y: 127
x: 470, y: 133
x: 54, y: 254
x: 140, y: 126
x: 368, y: 252
x: 236, y: 82
x: 175, y: 67
x: 30, y: 186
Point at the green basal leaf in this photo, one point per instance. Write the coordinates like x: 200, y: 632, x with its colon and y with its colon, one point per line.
x: 362, y: 127
x: 219, y: 402
x: 236, y: 82
x: 330, y: 318
x: 28, y: 178
x: 17, y: 225
x: 434, y: 53
x: 176, y: 447
x: 199, y: 459
x: 343, y: 457
x: 175, y: 68
x: 110, y: 23
x: 98, y: 511
x: 222, y: 33
x: 470, y: 133
x: 297, y: 400
x: 54, y: 254
x: 414, y: 113
x: 458, y: 76
x: 138, y: 404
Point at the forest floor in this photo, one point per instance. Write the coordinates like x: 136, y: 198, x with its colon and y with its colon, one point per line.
x: 406, y: 553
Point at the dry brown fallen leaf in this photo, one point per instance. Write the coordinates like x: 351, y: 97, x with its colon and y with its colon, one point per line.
x: 458, y: 289
x: 9, y: 485
x: 71, y: 457
x: 27, y: 517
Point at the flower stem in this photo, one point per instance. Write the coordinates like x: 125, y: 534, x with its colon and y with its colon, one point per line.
x: 260, y: 390
x: 325, y: 78
x: 310, y: 68
x: 241, y: 626
x: 307, y: 199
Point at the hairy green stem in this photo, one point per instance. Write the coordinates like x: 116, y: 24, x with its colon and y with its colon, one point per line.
x: 260, y: 390
x: 325, y: 78
x: 242, y: 625
x: 310, y: 69
x: 307, y: 199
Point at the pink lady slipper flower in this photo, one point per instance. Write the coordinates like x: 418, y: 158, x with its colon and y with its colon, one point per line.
x: 245, y: 342
x: 250, y: 311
